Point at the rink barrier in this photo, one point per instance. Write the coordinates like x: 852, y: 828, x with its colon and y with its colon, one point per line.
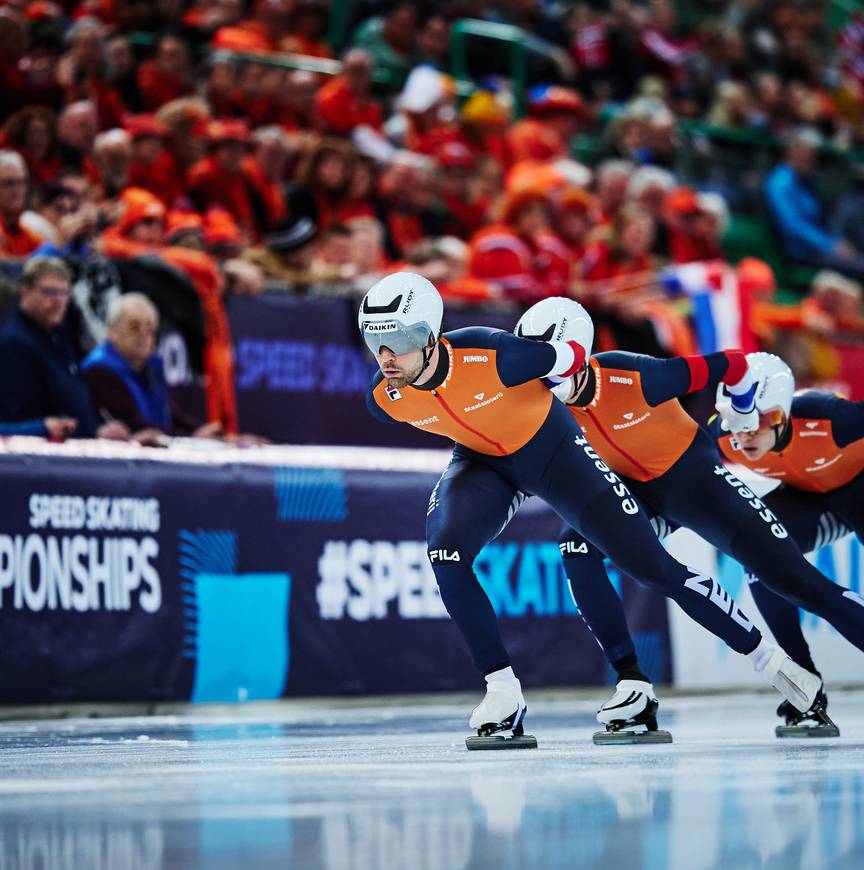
x: 130, y: 574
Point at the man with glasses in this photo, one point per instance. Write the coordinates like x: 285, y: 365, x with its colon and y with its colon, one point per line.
x: 38, y: 359
x: 15, y: 240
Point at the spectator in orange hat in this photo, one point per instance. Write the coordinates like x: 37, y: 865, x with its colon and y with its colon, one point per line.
x: 693, y: 231
x: 222, y: 236
x: 30, y: 132
x: 626, y: 252
x: 153, y: 167
x: 167, y: 76
x: 554, y: 117
x: 15, y: 240
x: 345, y: 102
x: 218, y: 181
x: 142, y: 217
x: 507, y: 253
x: 455, y: 163
x: 184, y: 229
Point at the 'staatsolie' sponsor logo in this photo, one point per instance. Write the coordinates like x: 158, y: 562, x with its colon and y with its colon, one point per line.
x: 483, y: 402
x: 630, y: 421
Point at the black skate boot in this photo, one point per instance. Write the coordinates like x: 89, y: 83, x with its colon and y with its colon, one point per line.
x: 630, y: 716
x: 814, y: 723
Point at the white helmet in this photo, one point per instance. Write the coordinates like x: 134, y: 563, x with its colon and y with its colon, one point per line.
x: 775, y: 385
x: 557, y: 319
x: 400, y: 312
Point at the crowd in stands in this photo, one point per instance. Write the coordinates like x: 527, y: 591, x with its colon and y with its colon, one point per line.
x: 232, y: 146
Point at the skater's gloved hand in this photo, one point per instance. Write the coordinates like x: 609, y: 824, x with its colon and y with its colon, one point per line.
x: 733, y: 420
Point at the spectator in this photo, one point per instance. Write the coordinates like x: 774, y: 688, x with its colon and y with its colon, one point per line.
x: 34, y: 345
x: 308, y: 29
x: 30, y: 132
x: 345, y: 103
x: 575, y: 208
x: 125, y: 377
x: 694, y: 231
x: 456, y: 163
x: 613, y: 177
x: 218, y: 180
x: 121, y: 73
x: 76, y: 132
x: 112, y: 160
x: 799, y: 212
x: 152, y: 165
x: 389, y: 40
x: 167, y: 76
x: 323, y: 182
x: 15, y: 240
x: 648, y: 187
x: 555, y: 114
x: 66, y: 224
x: 266, y: 169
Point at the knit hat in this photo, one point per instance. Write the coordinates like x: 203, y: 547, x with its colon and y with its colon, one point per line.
x: 138, y: 205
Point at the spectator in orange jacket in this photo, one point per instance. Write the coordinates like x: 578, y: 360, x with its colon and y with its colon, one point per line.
x: 153, y: 167
x: 345, y: 103
x: 218, y: 181
x: 554, y: 116
x: 15, y: 240
x: 512, y: 254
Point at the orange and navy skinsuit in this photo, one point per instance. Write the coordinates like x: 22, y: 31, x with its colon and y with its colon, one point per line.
x: 512, y: 438
x: 819, y: 461
x: 632, y: 417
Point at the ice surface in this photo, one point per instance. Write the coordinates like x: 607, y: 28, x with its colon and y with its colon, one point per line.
x: 306, y: 785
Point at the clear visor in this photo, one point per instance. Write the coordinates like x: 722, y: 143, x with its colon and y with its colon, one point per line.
x: 396, y: 337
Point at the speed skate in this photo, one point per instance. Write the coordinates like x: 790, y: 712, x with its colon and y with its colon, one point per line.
x: 499, y: 716
x: 630, y: 716
x: 814, y: 723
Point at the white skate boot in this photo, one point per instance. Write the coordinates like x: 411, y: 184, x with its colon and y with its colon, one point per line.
x: 630, y: 716
x: 797, y: 685
x: 498, y: 717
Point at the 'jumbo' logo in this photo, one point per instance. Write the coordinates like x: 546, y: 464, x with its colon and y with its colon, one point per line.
x: 475, y: 358
x: 615, y: 379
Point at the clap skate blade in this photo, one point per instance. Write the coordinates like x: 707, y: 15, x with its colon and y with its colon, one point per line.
x: 623, y: 733
x: 490, y: 737
x: 815, y: 723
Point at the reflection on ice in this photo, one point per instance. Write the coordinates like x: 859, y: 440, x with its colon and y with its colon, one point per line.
x: 356, y: 788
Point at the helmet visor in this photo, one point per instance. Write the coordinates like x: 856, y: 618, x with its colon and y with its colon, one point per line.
x: 770, y: 419
x: 395, y: 336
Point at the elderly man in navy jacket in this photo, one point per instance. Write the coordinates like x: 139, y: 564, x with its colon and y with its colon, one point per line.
x: 40, y: 379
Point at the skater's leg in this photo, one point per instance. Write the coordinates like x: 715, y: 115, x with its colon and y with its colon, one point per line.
x: 613, y: 521
x: 468, y: 507
x: 598, y: 603
x: 702, y: 494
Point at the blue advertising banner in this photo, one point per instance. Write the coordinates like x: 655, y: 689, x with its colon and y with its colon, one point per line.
x: 154, y: 580
x: 302, y: 370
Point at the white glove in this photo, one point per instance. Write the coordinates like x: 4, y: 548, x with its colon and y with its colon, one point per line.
x: 732, y: 420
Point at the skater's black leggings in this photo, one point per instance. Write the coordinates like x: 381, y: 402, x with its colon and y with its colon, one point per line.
x: 813, y: 520
x: 700, y: 494
x: 477, y: 493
